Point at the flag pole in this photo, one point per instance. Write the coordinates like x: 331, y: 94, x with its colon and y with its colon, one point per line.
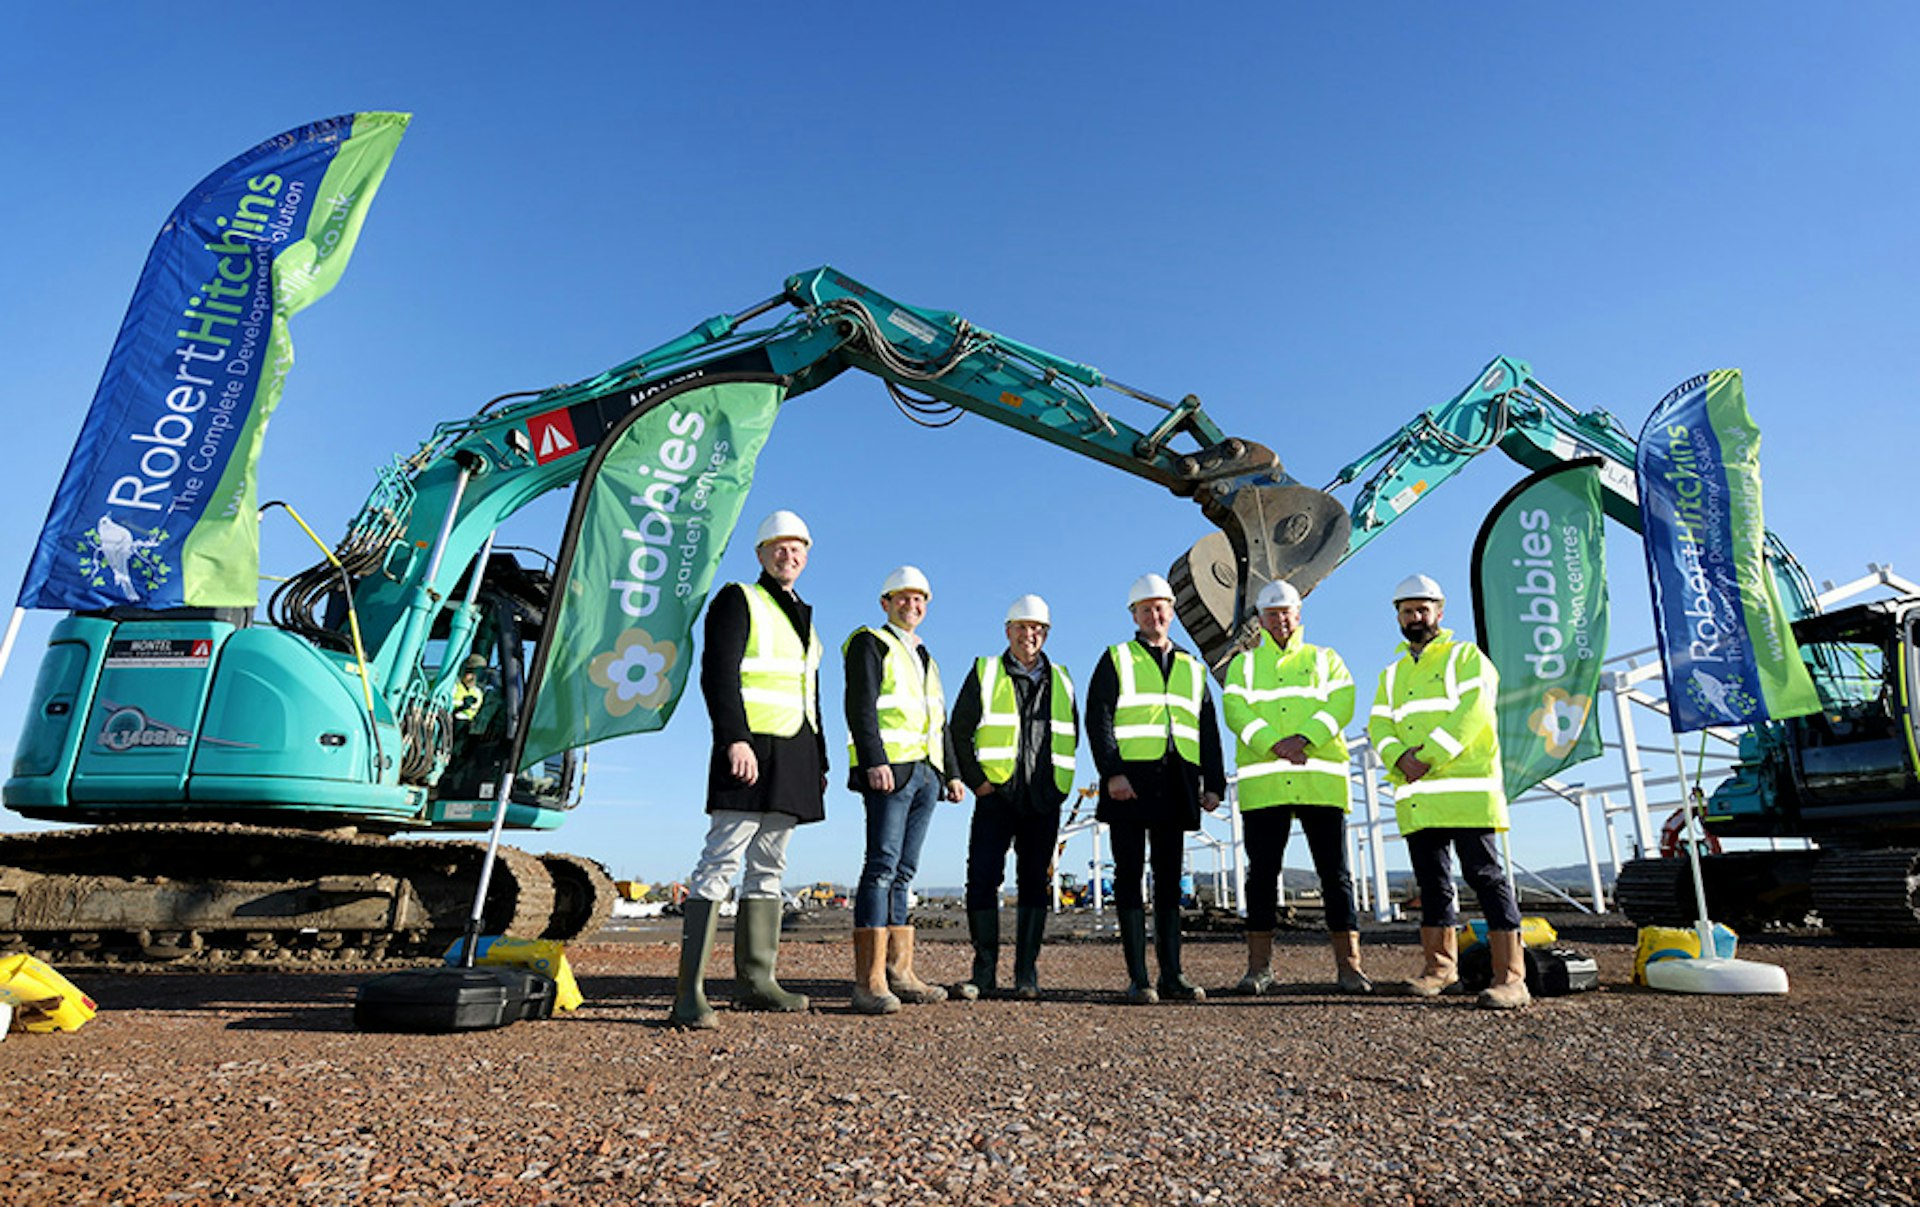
x: 6, y: 643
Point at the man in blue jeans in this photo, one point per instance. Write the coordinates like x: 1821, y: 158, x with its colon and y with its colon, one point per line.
x: 902, y: 763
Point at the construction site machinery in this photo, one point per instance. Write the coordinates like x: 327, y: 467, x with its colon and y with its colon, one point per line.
x: 245, y: 781
x: 1844, y: 777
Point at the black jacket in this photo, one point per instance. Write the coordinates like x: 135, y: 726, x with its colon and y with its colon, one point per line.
x: 1032, y: 786
x: 792, y: 770
x: 1167, y: 790
x: 866, y: 670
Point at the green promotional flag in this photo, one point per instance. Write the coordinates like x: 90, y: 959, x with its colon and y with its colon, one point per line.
x: 650, y: 522
x: 1540, y: 610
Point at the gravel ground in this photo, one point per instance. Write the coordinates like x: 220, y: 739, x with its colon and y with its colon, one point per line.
x: 253, y: 1086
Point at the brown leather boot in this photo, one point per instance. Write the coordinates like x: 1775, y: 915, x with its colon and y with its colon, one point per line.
x: 901, y: 981
x: 870, y: 994
x: 1346, y: 961
x: 1440, y: 965
x: 1509, y: 988
x: 1259, y: 976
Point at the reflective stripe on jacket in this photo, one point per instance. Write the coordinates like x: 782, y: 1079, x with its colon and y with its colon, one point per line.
x: 1274, y: 693
x: 779, y: 676
x: 911, y: 708
x: 1441, y: 703
x: 1149, y: 708
x: 996, y: 740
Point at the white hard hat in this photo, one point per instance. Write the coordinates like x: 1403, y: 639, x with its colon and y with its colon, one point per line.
x: 780, y: 526
x: 1029, y: 607
x: 1278, y: 594
x: 1419, y: 586
x: 906, y: 578
x: 1149, y: 586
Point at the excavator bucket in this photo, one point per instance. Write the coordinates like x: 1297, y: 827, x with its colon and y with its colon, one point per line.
x: 1267, y: 532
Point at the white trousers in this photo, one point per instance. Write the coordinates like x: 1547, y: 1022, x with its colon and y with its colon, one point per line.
x: 757, y: 839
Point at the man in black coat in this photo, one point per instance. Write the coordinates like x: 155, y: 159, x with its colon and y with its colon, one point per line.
x: 759, y: 672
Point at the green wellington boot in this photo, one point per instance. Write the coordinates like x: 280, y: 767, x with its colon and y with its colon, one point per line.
x: 1174, y: 985
x: 756, y: 945
x: 1029, y: 932
x: 690, y: 1009
x: 983, y: 927
x: 1133, y: 945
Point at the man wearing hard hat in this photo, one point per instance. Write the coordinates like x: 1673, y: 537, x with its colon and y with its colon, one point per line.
x: 1150, y: 727
x: 1433, y: 726
x: 1289, y: 703
x: 1015, y: 731
x: 902, y: 764
x: 759, y: 672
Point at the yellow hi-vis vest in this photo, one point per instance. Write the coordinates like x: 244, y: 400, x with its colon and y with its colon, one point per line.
x: 1150, y: 708
x: 911, y: 708
x: 1442, y: 703
x: 1273, y: 693
x: 996, y: 740
x: 779, y: 677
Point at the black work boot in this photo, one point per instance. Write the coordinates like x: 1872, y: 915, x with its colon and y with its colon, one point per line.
x: 1174, y: 985
x: 983, y: 926
x: 1133, y: 944
x: 1029, y: 931
x: 690, y: 1009
x: 756, y: 944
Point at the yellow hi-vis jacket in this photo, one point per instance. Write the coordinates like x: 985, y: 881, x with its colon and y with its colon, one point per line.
x: 779, y: 676
x: 1443, y: 704
x: 996, y: 740
x: 911, y: 708
x: 1149, y: 708
x: 1274, y: 692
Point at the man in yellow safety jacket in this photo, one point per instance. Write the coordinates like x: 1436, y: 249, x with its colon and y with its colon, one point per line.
x: 1289, y: 703
x: 1014, y: 732
x: 902, y: 764
x: 759, y: 672
x: 1433, y: 726
x: 1151, y: 731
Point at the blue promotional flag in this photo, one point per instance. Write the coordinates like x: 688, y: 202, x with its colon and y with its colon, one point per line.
x: 157, y: 507
x: 1726, y: 644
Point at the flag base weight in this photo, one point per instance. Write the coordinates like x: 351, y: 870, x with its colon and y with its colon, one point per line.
x: 1716, y: 976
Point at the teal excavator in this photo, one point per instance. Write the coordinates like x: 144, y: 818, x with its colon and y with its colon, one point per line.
x: 242, y: 781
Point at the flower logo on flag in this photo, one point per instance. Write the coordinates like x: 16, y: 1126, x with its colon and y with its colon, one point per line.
x: 635, y: 672
x: 1559, y: 720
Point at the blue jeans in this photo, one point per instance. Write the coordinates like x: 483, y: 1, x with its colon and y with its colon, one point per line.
x: 896, y: 826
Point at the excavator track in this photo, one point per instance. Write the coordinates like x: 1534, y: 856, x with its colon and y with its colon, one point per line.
x: 220, y: 894
x: 1745, y: 889
x: 583, y: 896
x: 1871, y: 896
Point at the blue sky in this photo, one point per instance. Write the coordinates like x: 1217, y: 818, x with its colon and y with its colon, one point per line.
x: 1320, y: 219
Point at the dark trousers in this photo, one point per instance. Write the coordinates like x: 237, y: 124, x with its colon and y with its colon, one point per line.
x: 1130, y: 862
x: 1033, y: 834
x: 1431, y: 852
x: 1266, y: 833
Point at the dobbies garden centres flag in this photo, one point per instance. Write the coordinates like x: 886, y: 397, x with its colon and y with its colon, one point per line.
x: 1540, y: 610
x: 1725, y: 641
x: 650, y: 519
x: 157, y: 507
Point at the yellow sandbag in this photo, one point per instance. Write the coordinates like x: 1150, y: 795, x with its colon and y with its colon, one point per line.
x: 41, y: 998
x: 1534, y: 932
x: 548, y: 957
x: 1676, y: 942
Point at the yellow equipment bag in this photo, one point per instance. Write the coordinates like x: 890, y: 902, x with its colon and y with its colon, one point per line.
x: 41, y: 998
x: 1677, y: 942
x: 548, y: 957
x: 1534, y: 932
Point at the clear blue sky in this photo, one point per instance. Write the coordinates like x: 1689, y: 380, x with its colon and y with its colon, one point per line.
x: 1321, y: 219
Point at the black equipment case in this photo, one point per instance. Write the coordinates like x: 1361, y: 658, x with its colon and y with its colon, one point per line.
x: 1551, y: 971
x: 440, y: 1000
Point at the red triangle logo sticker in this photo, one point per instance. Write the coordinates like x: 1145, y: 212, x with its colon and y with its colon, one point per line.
x: 552, y: 436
